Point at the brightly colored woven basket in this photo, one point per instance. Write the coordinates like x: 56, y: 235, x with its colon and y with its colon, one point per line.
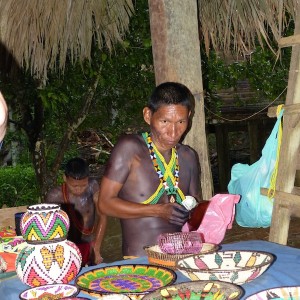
x: 44, y: 222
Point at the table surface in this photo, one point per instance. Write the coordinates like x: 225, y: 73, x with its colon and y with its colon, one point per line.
x: 285, y: 270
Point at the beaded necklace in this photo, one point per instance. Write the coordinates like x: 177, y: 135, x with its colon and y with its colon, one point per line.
x: 73, y: 215
x: 168, y: 174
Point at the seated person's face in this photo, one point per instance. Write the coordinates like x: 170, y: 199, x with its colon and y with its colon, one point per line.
x: 76, y: 186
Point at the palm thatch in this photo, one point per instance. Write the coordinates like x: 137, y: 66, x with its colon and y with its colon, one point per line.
x: 40, y: 33
x: 237, y: 25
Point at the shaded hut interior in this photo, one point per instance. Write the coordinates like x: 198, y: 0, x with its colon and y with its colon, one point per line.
x: 238, y: 133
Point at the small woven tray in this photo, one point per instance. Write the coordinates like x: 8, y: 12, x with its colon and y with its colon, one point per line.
x: 157, y: 257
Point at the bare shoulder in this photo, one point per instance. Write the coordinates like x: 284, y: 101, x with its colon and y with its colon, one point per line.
x: 54, y: 195
x: 93, y: 185
x: 125, y: 153
x: 127, y: 141
x: 128, y: 145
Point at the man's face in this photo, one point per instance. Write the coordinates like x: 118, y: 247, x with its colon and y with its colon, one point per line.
x: 76, y: 187
x: 167, y: 125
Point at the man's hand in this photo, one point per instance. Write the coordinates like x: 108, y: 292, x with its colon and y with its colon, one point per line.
x: 176, y: 213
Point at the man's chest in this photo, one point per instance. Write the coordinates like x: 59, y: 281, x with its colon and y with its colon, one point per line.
x: 147, y: 174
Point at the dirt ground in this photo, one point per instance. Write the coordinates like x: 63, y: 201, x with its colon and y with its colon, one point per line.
x: 112, y: 242
x: 238, y: 233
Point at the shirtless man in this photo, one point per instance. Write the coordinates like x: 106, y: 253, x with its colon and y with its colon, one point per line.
x: 78, y: 197
x: 133, y: 188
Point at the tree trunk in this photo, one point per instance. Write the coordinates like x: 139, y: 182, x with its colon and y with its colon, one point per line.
x: 40, y: 166
x: 176, y: 55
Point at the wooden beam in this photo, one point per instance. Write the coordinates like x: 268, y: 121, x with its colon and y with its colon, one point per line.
x: 286, y: 205
x: 289, y: 41
x: 288, y: 200
x: 288, y: 109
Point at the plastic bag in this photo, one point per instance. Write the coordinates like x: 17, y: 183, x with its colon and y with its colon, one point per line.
x: 217, y: 219
x: 254, y: 209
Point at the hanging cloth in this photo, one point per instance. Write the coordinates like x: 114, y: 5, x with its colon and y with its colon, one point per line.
x: 168, y: 174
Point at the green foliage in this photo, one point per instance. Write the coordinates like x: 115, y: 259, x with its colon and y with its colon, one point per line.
x: 266, y: 74
x: 18, y: 186
x: 127, y: 79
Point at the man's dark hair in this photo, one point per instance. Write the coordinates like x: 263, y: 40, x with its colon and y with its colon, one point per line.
x: 77, y: 168
x: 169, y: 93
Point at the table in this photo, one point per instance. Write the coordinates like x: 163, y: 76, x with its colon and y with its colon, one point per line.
x: 285, y: 270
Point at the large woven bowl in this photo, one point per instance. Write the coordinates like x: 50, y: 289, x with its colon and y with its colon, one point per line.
x: 159, y: 258
x: 132, y: 280
x: 198, y: 290
x: 235, y: 266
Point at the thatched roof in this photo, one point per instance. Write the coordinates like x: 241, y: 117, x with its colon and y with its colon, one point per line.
x: 40, y: 33
x: 237, y: 25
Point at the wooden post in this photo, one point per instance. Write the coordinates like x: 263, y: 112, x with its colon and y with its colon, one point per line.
x: 254, y: 140
x: 176, y: 55
x: 222, y: 146
x: 289, y: 152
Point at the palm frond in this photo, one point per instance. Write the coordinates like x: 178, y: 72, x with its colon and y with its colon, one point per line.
x: 237, y: 25
x: 40, y: 33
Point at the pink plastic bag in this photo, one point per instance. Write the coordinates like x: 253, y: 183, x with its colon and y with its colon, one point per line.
x: 217, y: 219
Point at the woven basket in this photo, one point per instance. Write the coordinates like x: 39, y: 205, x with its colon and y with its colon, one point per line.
x: 180, y: 242
x: 157, y: 257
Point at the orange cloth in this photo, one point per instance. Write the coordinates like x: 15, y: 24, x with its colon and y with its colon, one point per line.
x: 7, y: 232
x: 10, y: 259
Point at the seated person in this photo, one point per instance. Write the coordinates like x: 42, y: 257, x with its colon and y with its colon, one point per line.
x: 148, y: 175
x: 78, y: 197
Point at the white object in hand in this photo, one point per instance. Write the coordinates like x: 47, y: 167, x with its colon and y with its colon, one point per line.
x: 189, y: 202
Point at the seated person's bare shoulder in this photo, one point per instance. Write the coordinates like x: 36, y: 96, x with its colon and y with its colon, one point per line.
x: 93, y: 185
x: 54, y: 196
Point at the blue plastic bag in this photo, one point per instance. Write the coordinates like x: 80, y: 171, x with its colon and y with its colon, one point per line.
x: 254, y: 209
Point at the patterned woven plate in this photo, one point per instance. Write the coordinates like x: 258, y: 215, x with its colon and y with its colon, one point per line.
x: 50, y: 291
x: 125, y: 279
x: 202, y: 289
